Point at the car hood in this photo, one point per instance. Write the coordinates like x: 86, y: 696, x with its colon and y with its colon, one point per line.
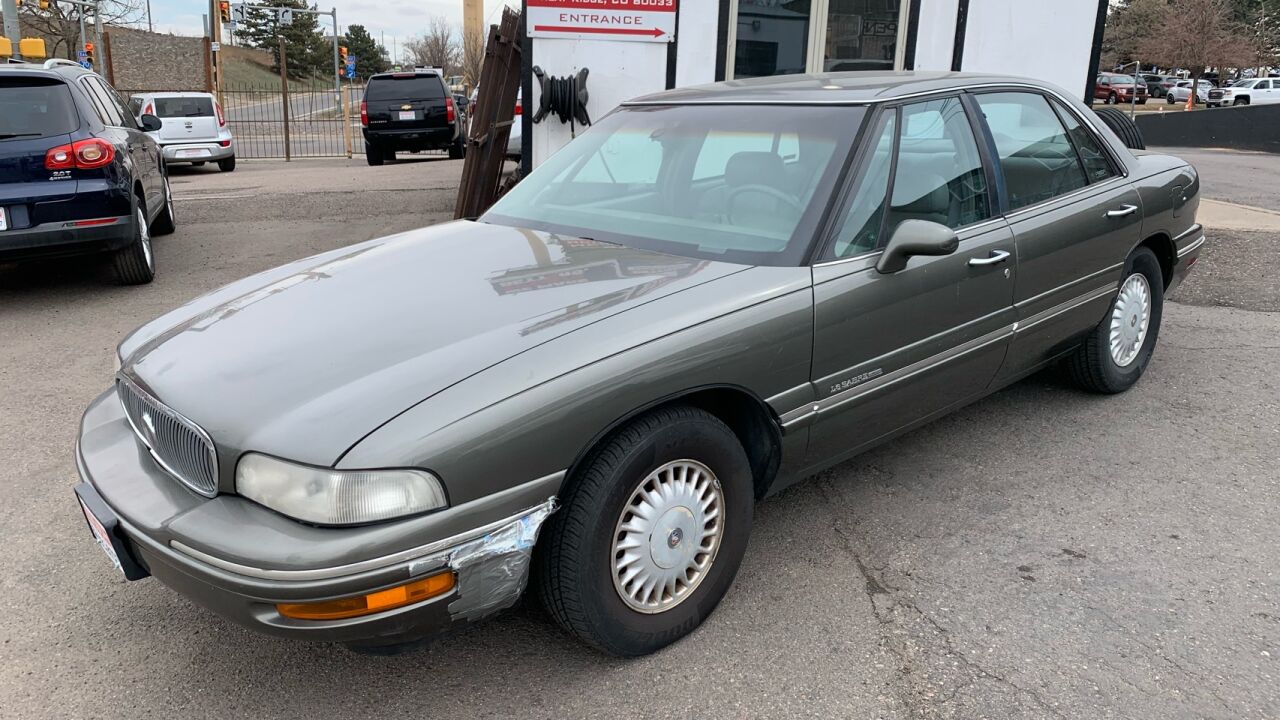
x: 304, y: 360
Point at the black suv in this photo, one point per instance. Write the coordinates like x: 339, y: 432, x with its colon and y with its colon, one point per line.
x: 78, y: 174
x: 410, y: 111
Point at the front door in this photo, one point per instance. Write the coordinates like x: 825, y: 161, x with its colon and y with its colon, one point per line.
x: 894, y: 349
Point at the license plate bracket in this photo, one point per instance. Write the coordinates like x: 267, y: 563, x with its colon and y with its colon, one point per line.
x: 105, y: 528
x: 408, y: 115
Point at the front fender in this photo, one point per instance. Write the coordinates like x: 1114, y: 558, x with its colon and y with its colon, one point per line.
x: 533, y: 414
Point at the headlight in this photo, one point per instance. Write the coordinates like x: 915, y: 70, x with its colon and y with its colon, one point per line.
x: 336, y: 497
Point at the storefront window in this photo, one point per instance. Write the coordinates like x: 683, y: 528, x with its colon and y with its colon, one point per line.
x: 772, y: 37
x: 861, y: 35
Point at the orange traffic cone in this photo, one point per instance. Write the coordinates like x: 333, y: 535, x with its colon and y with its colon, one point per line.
x: 1191, y: 99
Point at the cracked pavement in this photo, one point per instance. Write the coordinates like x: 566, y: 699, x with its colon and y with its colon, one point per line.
x: 1040, y: 554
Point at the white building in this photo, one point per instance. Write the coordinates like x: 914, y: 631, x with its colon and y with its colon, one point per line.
x: 1053, y: 40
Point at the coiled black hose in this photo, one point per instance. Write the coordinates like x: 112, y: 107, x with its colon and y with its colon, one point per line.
x: 565, y: 97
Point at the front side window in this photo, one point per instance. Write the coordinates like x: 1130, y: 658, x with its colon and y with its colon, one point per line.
x: 743, y: 184
x: 1038, y: 160
x: 939, y: 175
x: 863, y: 216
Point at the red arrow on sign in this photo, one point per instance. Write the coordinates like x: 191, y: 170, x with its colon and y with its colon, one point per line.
x: 656, y: 32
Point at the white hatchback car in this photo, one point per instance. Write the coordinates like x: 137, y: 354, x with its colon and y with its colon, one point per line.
x: 193, y: 128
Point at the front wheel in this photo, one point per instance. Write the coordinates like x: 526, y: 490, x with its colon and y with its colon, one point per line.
x: 651, y: 533
x: 1111, y: 99
x: 1241, y: 101
x: 1117, y: 352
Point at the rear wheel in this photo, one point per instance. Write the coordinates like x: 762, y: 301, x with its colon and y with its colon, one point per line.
x: 227, y: 165
x: 388, y: 154
x: 135, y: 264
x: 651, y: 533
x: 167, y: 221
x: 1117, y: 352
x: 457, y: 150
x: 372, y: 154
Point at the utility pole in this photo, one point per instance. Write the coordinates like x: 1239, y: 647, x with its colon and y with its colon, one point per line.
x: 11, y: 28
x: 215, y: 37
x: 337, y: 70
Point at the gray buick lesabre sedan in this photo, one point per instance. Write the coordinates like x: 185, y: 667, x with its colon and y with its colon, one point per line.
x: 709, y: 295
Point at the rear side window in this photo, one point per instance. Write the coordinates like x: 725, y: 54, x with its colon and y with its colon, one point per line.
x: 35, y: 107
x: 415, y: 87
x: 184, y: 107
x: 1096, y: 165
x: 1038, y: 160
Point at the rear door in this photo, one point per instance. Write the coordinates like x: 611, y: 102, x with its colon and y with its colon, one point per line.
x: 123, y: 131
x: 36, y: 115
x: 893, y: 349
x: 406, y: 101
x: 186, y: 119
x: 1073, y: 213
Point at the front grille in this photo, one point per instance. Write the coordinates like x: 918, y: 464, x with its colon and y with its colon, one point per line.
x: 178, y: 444
x: 1215, y: 94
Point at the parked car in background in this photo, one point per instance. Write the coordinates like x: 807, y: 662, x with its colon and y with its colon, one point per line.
x: 78, y: 173
x: 1264, y: 91
x: 714, y: 293
x: 409, y: 111
x: 1158, y: 85
x: 1206, y: 93
x: 193, y: 129
x: 1113, y: 88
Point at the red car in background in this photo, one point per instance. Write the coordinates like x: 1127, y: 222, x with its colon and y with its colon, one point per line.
x: 1113, y: 88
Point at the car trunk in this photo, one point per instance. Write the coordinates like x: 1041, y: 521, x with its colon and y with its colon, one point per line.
x: 36, y: 115
x: 186, y: 120
x: 406, y: 102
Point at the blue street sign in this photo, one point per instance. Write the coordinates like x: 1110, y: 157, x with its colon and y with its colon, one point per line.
x: 81, y: 54
x: 86, y: 65
x: 351, y: 71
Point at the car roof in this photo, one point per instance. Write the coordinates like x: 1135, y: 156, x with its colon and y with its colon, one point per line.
x: 62, y: 70
x: 842, y: 88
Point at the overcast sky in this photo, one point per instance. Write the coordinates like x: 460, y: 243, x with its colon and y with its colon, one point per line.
x: 397, y: 18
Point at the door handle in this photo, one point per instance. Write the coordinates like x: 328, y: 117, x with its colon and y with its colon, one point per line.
x: 1124, y: 210
x: 996, y: 257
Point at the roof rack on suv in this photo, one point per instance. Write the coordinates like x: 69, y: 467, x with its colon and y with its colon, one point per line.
x: 55, y: 62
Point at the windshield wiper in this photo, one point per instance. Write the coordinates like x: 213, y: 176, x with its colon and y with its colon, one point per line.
x: 6, y: 136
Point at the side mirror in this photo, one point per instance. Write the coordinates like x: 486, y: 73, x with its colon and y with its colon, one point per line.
x: 150, y: 123
x: 916, y: 237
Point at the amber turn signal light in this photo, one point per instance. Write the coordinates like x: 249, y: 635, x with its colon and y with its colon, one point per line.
x: 374, y: 602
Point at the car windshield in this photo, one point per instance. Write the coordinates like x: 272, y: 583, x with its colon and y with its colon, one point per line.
x: 404, y: 87
x: 177, y: 107
x: 741, y: 183
x: 35, y: 107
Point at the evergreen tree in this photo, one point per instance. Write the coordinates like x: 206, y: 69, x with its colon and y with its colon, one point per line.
x: 370, y: 57
x: 306, y: 50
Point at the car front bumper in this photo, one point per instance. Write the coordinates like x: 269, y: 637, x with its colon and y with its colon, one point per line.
x: 197, y: 152
x: 490, y: 559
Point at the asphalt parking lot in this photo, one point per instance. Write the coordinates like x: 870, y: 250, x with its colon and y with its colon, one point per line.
x: 1041, y: 554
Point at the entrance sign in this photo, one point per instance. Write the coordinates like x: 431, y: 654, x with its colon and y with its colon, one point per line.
x: 634, y: 20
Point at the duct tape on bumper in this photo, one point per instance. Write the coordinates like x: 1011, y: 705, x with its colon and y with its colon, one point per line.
x: 493, y: 570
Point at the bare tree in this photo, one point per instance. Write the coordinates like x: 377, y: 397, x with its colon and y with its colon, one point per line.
x: 59, y: 25
x: 1128, y: 25
x: 473, y: 45
x: 1196, y: 35
x: 437, y: 47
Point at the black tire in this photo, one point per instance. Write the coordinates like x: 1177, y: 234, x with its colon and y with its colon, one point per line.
x: 227, y: 165
x: 1170, y: 99
x: 1241, y: 101
x: 574, y: 562
x: 1112, y: 99
x: 135, y: 263
x: 167, y: 221
x: 1123, y: 126
x: 372, y: 154
x: 1141, y: 102
x: 389, y: 155
x: 458, y: 150
x: 1092, y: 366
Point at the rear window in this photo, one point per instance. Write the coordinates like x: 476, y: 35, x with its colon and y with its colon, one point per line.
x: 176, y: 107
x: 35, y: 107
x: 415, y: 87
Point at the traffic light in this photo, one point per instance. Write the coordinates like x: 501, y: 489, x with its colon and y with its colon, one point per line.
x: 342, y: 54
x: 88, y: 53
x: 224, y: 10
x: 44, y: 4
